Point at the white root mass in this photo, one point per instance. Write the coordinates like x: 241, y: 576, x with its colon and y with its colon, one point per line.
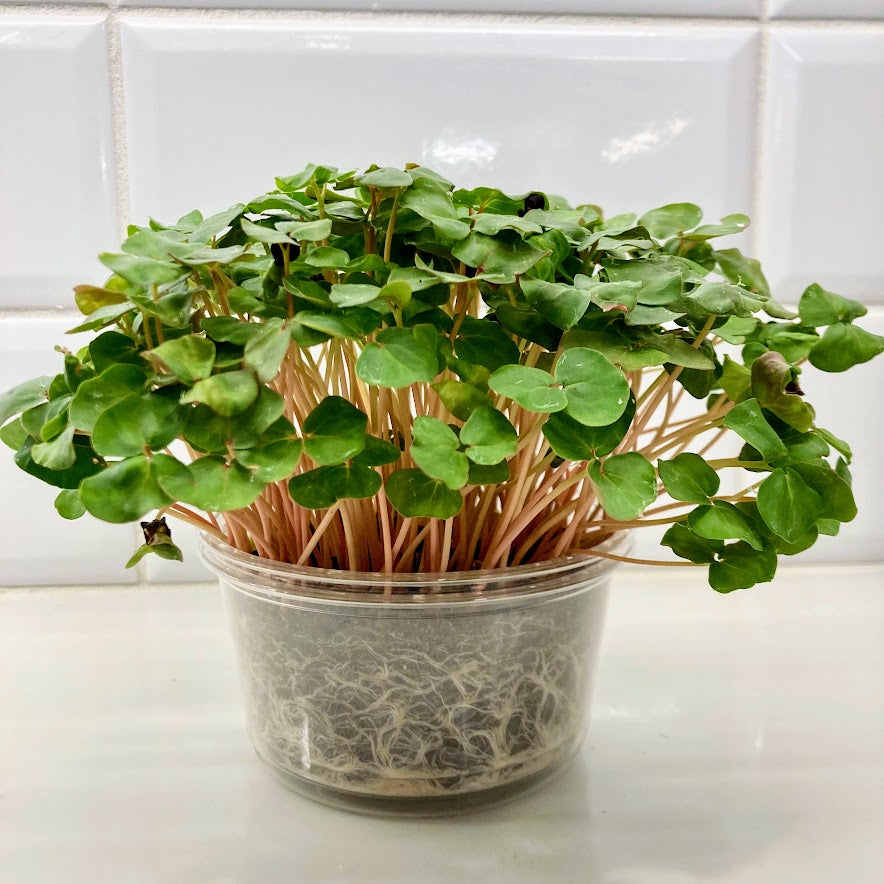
x: 417, y: 703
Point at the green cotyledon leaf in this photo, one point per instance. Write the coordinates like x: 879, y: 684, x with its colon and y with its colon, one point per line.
x: 334, y: 431
x: 625, y: 483
x: 399, y: 357
x: 788, y: 506
x: 739, y: 566
x: 533, y: 388
x: 596, y: 390
x: 265, y: 351
x: 688, y: 477
x: 818, y: 307
x: 228, y: 393
x: 574, y: 441
x: 460, y: 398
x: 843, y: 346
x: 272, y: 462
x: 724, y: 521
x: 213, y: 484
x: 98, y: 394
x: 435, y: 450
x: 22, y: 397
x: 127, y: 489
x: 489, y: 437
x: 748, y: 421
x: 190, y: 358
x: 321, y: 487
x: 136, y: 423
x: 500, y: 258
x: 414, y: 494
x: 671, y: 219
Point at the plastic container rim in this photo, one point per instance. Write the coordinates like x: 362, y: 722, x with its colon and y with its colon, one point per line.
x: 288, y: 584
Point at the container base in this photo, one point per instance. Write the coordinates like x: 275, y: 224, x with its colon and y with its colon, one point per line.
x: 423, y: 807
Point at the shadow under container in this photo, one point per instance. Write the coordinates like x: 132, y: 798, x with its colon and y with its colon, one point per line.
x: 415, y: 694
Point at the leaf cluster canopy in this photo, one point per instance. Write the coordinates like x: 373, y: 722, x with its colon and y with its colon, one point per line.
x: 387, y: 349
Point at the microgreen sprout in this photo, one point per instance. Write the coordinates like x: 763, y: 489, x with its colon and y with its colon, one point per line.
x: 382, y: 372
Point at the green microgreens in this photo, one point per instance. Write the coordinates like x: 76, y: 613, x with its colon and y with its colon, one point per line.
x: 381, y: 372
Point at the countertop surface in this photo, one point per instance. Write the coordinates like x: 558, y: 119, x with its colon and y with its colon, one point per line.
x: 734, y: 739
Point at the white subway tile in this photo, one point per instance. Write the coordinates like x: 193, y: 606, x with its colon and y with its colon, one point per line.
x: 823, y: 179
x: 37, y: 546
x: 706, y: 8
x: 626, y: 116
x: 826, y: 9
x: 57, y: 208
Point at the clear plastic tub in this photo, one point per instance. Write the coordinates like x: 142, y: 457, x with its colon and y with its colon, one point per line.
x: 415, y: 694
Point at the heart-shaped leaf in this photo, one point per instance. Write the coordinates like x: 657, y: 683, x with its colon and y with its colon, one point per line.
x: 748, y: 422
x: 688, y: 545
x: 354, y: 294
x: 483, y: 342
x: 22, y: 397
x: 272, y: 462
x: 210, y: 432
x: 740, y: 566
x: 818, y: 307
x: 399, y: 357
x: 414, y: 495
x: 788, y: 505
x: 320, y: 488
x: 574, y: 441
x: 334, y: 431
x: 500, y: 258
x: 625, y: 484
x: 265, y: 350
x: 68, y: 504
x: 98, y: 394
x: 212, y: 484
x: 843, y: 346
x: 724, y: 521
x: 142, y: 271
x: 671, y: 219
x: 435, y: 450
x: 228, y: 394
x: 189, y: 358
x: 127, y: 489
x: 688, y: 477
x: 532, y: 388
x: 461, y: 399
x: 146, y: 421
x: 58, y: 454
x: 596, y: 390
x: 489, y: 437
x: 563, y: 305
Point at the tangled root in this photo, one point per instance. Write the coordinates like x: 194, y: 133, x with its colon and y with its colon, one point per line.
x: 420, y: 703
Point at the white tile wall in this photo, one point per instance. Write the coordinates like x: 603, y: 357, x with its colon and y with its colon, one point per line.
x: 826, y: 9
x: 480, y: 110
x: 37, y: 546
x: 627, y: 113
x: 822, y: 175
x: 57, y: 205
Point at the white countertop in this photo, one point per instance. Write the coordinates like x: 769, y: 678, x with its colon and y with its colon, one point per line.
x: 735, y: 739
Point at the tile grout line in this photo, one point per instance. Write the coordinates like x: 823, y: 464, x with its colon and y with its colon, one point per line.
x: 118, y: 115
x: 761, y: 102
x: 121, y: 161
